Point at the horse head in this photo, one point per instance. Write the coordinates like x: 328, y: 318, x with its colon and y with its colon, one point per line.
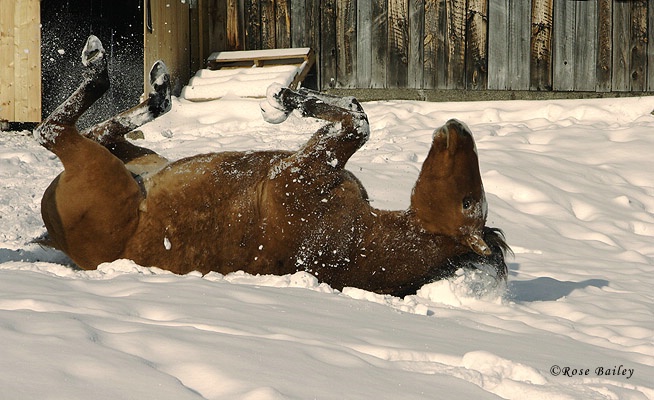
x: 448, y: 197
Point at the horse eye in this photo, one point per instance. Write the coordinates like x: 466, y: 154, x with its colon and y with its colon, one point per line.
x: 467, y: 203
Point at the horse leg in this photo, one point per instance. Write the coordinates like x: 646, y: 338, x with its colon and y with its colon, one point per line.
x: 91, y: 209
x: 333, y: 144
x: 111, y: 133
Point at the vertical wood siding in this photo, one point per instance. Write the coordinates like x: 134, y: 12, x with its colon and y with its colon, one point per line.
x: 565, y: 45
x: 20, y: 61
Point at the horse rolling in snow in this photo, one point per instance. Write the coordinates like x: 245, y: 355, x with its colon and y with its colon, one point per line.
x: 265, y: 212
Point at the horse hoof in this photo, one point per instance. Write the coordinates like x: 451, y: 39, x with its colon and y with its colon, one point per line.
x: 160, y: 96
x: 93, y: 52
x: 271, y: 114
x: 159, y: 75
x: 272, y: 109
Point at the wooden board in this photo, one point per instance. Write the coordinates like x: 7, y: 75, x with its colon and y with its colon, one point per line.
x: 20, y: 61
x: 639, y: 46
x: 364, y: 44
x: 650, y: 49
x: 252, y: 25
x: 167, y: 37
x: 601, y: 45
x: 434, y: 45
x: 604, y: 65
x: 477, y: 45
x: 258, y: 58
x: 7, y: 65
x: 379, y: 43
x: 398, y: 43
x: 346, y: 44
x: 455, y: 44
x: 328, y: 44
x: 282, y: 24
x: 498, y: 48
x: 541, y: 45
x: 416, y: 44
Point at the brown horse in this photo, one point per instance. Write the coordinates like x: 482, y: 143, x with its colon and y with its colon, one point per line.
x: 267, y: 212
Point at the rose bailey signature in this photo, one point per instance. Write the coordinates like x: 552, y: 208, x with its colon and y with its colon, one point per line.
x: 557, y: 370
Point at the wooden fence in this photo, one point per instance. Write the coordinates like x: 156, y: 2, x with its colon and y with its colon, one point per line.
x: 563, y: 45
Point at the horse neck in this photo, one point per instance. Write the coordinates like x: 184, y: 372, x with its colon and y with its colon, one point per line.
x: 410, y: 255
x: 423, y: 192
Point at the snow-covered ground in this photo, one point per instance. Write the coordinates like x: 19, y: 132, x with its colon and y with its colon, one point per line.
x: 569, y: 182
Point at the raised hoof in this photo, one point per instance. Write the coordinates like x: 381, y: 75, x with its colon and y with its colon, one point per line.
x: 95, y: 73
x: 93, y: 53
x: 159, y: 102
x: 273, y: 109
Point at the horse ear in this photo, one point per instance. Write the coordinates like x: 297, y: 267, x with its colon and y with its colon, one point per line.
x: 478, y: 245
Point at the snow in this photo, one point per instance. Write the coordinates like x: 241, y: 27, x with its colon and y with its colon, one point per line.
x: 238, y: 82
x: 569, y: 181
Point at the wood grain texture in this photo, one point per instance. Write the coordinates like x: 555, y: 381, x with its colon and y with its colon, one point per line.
x: 416, y: 44
x: 7, y: 65
x: 477, y: 45
x: 434, y: 44
x: 328, y: 51
x: 398, y: 43
x: 170, y: 41
x: 639, y: 37
x: 268, y: 24
x: 455, y: 44
x: 604, y: 67
x: 283, y: 24
x: 346, y: 44
x: 379, y: 42
x: 364, y: 44
x: 541, y: 45
x: 253, y: 25
x: 21, y: 61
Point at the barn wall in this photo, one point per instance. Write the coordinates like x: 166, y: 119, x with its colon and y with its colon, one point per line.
x: 538, y: 45
x: 20, y: 61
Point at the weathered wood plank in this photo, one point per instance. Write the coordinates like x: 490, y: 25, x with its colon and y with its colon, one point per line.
x: 498, y: 49
x: 621, y: 53
x: 650, y: 49
x: 346, y: 44
x: 563, y: 45
x: 7, y: 65
x: 328, y: 43
x: 252, y: 25
x: 455, y: 46
x: 416, y: 44
x: 312, y: 28
x: 283, y: 24
x: 585, y: 70
x: 379, y: 41
x: 398, y: 43
x: 299, y: 37
x: 268, y: 24
x: 519, y: 40
x: 638, y: 62
x: 476, y: 45
x: 541, y: 45
x: 364, y: 44
x: 509, y: 45
x: 604, y: 45
x: 234, y: 34
x: 434, y: 45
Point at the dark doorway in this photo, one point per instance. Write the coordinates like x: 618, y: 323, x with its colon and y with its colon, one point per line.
x: 65, y: 25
